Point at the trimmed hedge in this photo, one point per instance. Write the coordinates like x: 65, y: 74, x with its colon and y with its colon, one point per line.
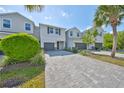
x: 20, y: 46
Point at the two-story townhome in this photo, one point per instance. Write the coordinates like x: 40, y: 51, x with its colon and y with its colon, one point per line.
x: 52, y: 37
x: 14, y: 22
x: 74, y: 39
x: 98, y: 39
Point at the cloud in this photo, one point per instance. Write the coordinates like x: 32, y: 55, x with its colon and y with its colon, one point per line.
x: 2, y: 10
x: 48, y: 17
x: 65, y: 14
x: 88, y: 27
x: 30, y: 17
x: 110, y: 32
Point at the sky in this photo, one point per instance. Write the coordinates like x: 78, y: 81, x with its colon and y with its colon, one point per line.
x: 80, y: 16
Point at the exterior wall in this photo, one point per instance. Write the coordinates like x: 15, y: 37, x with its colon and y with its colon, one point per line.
x: 71, y: 40
x: 53, y: 38
x: 36, y: 32
x: 3, y: 34
x: 98, y: 39
x: 17, y: 22
x: 17, y: 25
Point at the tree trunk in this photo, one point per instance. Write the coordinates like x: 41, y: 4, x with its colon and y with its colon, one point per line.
x: 114, y: 41
x: 87, y: 46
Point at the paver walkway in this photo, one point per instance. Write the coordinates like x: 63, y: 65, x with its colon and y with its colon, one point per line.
x: 67, y: 70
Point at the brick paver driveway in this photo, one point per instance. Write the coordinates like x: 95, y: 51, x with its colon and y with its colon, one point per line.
x: 64, y: 69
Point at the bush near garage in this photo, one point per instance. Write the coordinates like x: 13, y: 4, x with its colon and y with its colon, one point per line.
x: 20, y: 47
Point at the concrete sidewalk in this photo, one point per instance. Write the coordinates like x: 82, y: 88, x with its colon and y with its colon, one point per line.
x: 108, y: 53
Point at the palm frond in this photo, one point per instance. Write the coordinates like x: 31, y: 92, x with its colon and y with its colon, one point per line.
x: 34, y: 8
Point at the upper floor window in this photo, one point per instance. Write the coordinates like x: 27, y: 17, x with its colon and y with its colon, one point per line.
x: 71, y: 33
x: 57, y: 31
x: 27, y: 26
x: 78, y: 34
x: 6, y: 23
x: 50, y: 30
x: 100, y: 34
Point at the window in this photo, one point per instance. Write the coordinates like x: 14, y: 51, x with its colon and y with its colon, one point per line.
x: 71, y: 33
x: 57, y: 31
x: 27, y: 26
x: 6, y: 23
x: 50, y: 30
x: 100, y: 34
x: 78, y: 34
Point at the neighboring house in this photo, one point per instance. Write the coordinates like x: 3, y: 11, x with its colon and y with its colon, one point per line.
x: 52, y: 37
x: 98, y: 39
x: 74, y: 39
x: 14, y: 23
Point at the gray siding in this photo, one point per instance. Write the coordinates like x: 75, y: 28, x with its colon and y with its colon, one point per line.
x: 18, y: 21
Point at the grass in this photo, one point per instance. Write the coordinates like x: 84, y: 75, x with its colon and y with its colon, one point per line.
x: 24, y: 74
x: 109, y: 59
x: 31, y: 76
x: 121, y: 52
x: 36, y: 82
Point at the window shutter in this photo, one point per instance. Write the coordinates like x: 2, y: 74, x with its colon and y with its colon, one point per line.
x: 48, y: 30
x: 59, y: 31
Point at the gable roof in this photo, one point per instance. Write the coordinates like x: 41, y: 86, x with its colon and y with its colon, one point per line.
x: 73, y: 29
x: 52, y: 26
x: 11, y: 13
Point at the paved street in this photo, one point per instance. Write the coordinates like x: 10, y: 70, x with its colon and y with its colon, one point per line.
x: 67, y: 70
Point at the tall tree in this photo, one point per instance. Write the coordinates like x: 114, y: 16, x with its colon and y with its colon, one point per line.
x: 120, y: 40
x: 110, y: 15
x: 33, y: 8
x: 107, y: 42
x: 89, y: 37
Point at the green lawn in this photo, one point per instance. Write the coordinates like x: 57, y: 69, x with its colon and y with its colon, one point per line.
x: 109, y: 59
x: 121, y: 52
x: 24, y: 74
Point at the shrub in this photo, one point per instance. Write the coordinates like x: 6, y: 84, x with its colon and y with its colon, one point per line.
x: 68, y: 49
x: 20, y: 46
x: 74, y: 50
x: 85, y: 52
x: 5, y: 61
x: 38, y: 59
x: 0, y: 44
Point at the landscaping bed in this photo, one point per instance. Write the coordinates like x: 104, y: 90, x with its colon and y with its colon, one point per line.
x: 109, y: 59
x: 104, y: 58
x: 14, y: 75
x: 23, y: 62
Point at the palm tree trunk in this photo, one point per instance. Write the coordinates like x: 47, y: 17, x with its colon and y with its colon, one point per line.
x: 114, y: 41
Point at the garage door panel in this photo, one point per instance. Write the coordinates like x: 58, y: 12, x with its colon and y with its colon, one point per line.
x: 80, y: 45
x: 48, y: 46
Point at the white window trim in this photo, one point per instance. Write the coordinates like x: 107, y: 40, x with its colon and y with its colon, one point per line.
x: 10, y: 23
x: 28, y: 31
x: 53, y: 30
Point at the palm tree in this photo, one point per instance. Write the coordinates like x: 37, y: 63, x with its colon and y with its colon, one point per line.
x: 110, y: 15
x: 33, y: 8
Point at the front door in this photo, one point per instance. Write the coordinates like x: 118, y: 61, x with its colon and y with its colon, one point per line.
x: 57, y: 45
